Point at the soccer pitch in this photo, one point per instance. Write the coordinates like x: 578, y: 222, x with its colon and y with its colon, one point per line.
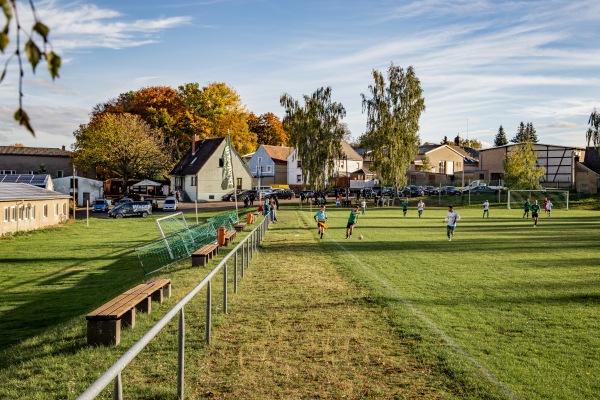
x: 503, y: 302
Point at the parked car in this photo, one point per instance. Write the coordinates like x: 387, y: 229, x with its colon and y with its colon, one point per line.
x: 413, y: 191
x: 282, y: 194
x: 482, y: 190
x: 153, y: 202
x: 122, y: 200
x: 450, y: 190
x: 431, y: 190
x: 100, y: 205
x: 131, y: 209
x: 230, y: 196
x: 170, y: 204
x: 247, y: 194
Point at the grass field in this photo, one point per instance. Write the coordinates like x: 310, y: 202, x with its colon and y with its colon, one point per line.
x: 505, y: 310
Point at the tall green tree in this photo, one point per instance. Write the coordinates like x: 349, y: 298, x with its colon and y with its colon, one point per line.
x: 393, y: 112
x: 124, y: 145
x: 593, y: 135
x: 525, y: 133
x: 500, y: 139
x: 471, y: 143
x: 316, y: 132
x: 521, y: 171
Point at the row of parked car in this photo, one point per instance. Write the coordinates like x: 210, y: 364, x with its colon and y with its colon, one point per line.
x: 133, y: 206
x: 264, y: 193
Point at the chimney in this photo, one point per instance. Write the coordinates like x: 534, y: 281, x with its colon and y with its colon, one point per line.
x: 194, y: 144
x: 63, y: 147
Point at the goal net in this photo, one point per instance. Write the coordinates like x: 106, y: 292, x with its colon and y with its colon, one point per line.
x: 559, y: 198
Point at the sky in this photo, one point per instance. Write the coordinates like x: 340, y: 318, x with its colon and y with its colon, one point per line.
x: 482, y: 64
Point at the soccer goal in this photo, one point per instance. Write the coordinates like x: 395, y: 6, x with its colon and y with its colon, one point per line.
x: 559, y: 198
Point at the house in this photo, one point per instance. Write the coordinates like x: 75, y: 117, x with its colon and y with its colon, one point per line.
x: 271, y: 164
x: 559, y: 162
x: 26, y: 207
x: 38, y: 160
x: 587, y: 173
x: 199, y: 174
x: 86, y: 190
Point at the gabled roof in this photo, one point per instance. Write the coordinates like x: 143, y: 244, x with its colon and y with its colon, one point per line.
x: 277, y: 153
x: 535, y: 144
x: 351, y: 154
x: 24, y: 191
x: 34, y: 151
x: 190, y: 163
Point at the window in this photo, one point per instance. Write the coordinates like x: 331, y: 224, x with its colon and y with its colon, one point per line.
x: 221, y: 163
x: 65, y: 208
x: 481, y: 176
x: 31, y: 172
x: 60, y: 173
x: 56, y: 209
x: 8, y: 172
x: 26, y: 212
x: 299, y: 178
x: 194, y: 181
x: 299, y: 163
x: 45, y: 210
x: 13, y: 214
x: 342, y: 164
x: 268, y: 168
x: 239, y: 183
x: 32, y: 214
x: 6, y: 214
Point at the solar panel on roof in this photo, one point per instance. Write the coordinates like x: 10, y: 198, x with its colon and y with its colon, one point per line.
x: 11, y: 178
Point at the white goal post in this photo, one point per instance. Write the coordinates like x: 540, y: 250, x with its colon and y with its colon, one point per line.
x: 559, y: 198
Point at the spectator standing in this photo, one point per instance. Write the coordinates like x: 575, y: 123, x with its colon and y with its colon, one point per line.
x: 486, y: 209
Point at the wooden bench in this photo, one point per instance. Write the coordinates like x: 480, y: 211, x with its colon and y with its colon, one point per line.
x: 205, y: 253
x: 229, y: 236
x: 240, y: 227
x: 104, y: 323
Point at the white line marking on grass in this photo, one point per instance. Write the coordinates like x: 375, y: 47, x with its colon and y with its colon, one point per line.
x: 449, y: 341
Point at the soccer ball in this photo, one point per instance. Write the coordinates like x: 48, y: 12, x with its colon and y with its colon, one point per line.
x: 360, y: 237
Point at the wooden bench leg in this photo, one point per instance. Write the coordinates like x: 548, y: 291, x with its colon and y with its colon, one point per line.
x: 104, y: 333
x: 129, y: 318
x: 199, y: 260
x: 168, y: 291
x: 145, y: 306
x: 158, y: 296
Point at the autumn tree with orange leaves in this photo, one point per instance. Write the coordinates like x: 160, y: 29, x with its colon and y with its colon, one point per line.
x: 268, y: 129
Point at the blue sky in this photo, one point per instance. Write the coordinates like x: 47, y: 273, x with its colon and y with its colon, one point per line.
x: 481, y: 63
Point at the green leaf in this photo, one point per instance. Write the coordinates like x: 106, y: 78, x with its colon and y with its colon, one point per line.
x: 54, y: 62
x: 23, y: 119
x: 33, y: 53
x: 42, y: 30
x: 7, y: 9
x: 4, y: 40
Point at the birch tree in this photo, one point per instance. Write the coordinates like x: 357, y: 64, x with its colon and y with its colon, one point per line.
x: 315, y: 130
x: 393, y: 112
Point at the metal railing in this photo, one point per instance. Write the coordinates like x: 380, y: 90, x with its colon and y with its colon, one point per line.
x: 246, y: 247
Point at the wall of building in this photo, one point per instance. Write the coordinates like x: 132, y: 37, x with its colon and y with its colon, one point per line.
x: 588, y: 182
x: 28, y: 215
x: 87, y: 189
x: 26, y: 164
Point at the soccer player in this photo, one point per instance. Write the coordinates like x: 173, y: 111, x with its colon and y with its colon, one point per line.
x: 352, y: 219
x: 486, y: 209
x: 321, y: 218
x: 549, y: 206
x: 405, y: 206
x: 535, y: 208
x: 420, y: 207
x: 363, y: 205
x: 526, y: 207
x: 451, y: 217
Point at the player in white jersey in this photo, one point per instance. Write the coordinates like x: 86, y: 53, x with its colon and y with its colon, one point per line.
x: 451, y: 217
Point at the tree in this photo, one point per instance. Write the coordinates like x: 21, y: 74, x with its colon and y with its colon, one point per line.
x: 593, y: 135
x: 445, y: 140
x: 316, y: 132
x: 31, y: 49
x: 123, y: 144
x: 500, y: 139
x: 268, y: 129
x: 471, y: 143
x: 393, y: 112
x: 222, y: 108
x: 458, y: 140
x: 520, y: 167
x: 426, y: 163
x: 525, y: 133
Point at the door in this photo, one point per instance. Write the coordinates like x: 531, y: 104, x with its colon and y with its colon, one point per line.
x: 86, y: 198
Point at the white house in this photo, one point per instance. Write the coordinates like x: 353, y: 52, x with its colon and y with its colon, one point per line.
x: 199, y: 174
x: 87, y: 190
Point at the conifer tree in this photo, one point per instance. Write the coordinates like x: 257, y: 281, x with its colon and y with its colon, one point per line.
x: 500, y: 139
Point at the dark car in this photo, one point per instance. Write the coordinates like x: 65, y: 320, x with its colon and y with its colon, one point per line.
x: 413, y: 191
x: 282, y: 194
x: 100, y: 205
x: 230, y: 196
x: 308, y: 194
x: 247, y: 194
x: 431, y: 190
x: 482, y: 190
x: 131, y: 209
x: 450, y: 190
